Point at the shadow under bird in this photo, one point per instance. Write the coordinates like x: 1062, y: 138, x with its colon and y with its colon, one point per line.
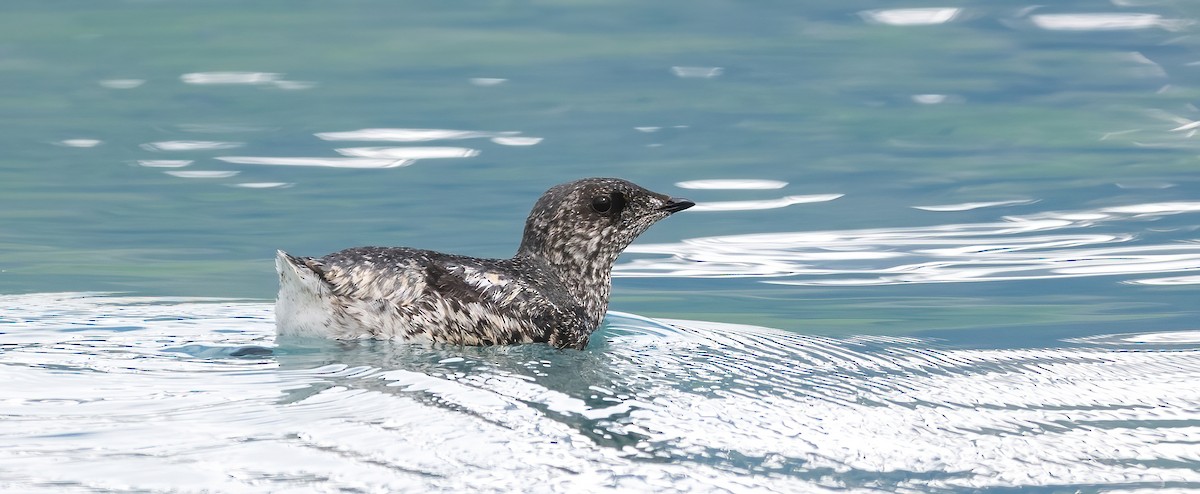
x: 554, y: 290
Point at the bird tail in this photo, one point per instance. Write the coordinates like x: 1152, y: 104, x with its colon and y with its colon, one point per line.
x: 292, y: 269
x: 301, y: 308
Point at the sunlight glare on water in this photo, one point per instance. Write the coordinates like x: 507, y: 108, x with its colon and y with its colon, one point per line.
x: 674, y: 404
x: 936, y: 247
x: 1037, y: 246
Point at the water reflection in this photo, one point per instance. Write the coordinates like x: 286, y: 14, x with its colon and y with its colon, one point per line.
x: 203, y: 173
x: 164, y: 163
x: 1153, y: 340
x: 190, y: 145
x: 1037, y: 246
x: 80, y: 143
x: 264, y: 185
x: 488, y: 81
x: 243, y: 78
x: 911, y: 17
x: 684, y: 405
x: 229, y: 78
x: 409, y: 153
x: 732, y: 184
x: 781, y: 202
x: 1171, y: 280
x: 1104, y: 21
x: 366, y: 157
x: 310, y: 161
x: 218, y: 128
x: 934, y: 99
x: 697, y: 72
x: 516, y: 140
x: 122, y: 83
x: 408, y: 135
x: 967, y: 206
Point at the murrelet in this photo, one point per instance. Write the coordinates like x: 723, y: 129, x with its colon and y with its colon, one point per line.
x: 554, y: 290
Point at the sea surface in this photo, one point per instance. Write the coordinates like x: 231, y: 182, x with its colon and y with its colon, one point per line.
x: 948, y: 247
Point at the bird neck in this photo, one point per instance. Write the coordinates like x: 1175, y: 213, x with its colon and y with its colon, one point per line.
x: 586, y: 276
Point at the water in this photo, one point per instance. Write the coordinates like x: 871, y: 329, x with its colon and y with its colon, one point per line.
x: 938, y: 248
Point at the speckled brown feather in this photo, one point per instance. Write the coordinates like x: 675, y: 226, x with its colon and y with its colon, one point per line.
x: 554, y: 290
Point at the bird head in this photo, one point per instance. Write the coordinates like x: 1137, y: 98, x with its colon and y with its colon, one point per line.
x: 593, y: 220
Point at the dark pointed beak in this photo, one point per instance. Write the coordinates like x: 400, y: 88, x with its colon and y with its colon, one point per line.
x: 677, y: 204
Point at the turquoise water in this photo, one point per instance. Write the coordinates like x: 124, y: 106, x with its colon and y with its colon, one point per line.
x: 937, y: 247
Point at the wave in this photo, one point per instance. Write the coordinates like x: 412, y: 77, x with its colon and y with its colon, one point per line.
x: 178, y: 391
x: 1038, y: 246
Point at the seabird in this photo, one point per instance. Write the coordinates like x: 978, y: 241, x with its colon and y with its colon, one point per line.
x: 554, y: 290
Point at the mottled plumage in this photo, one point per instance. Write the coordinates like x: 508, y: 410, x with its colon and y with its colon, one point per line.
x: 554, y: 290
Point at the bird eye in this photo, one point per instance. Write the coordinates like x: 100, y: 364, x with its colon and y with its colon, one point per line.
x: 609, y: 204
x: 602, y: 204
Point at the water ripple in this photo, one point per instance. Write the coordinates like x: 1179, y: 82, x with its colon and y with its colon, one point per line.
x: 409, y: 135
x: 408, y: 153
x: 162, y: 387
x: 911, y: 17
x: 252, y: 78
x: 1104, y: 21
x: 967, y: 206
x: 164, y: 163
x: 190, y: 145
x: 731, y: 184
x: 1037, y: 246
x: 313, y: 161
x: 781, y: 202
